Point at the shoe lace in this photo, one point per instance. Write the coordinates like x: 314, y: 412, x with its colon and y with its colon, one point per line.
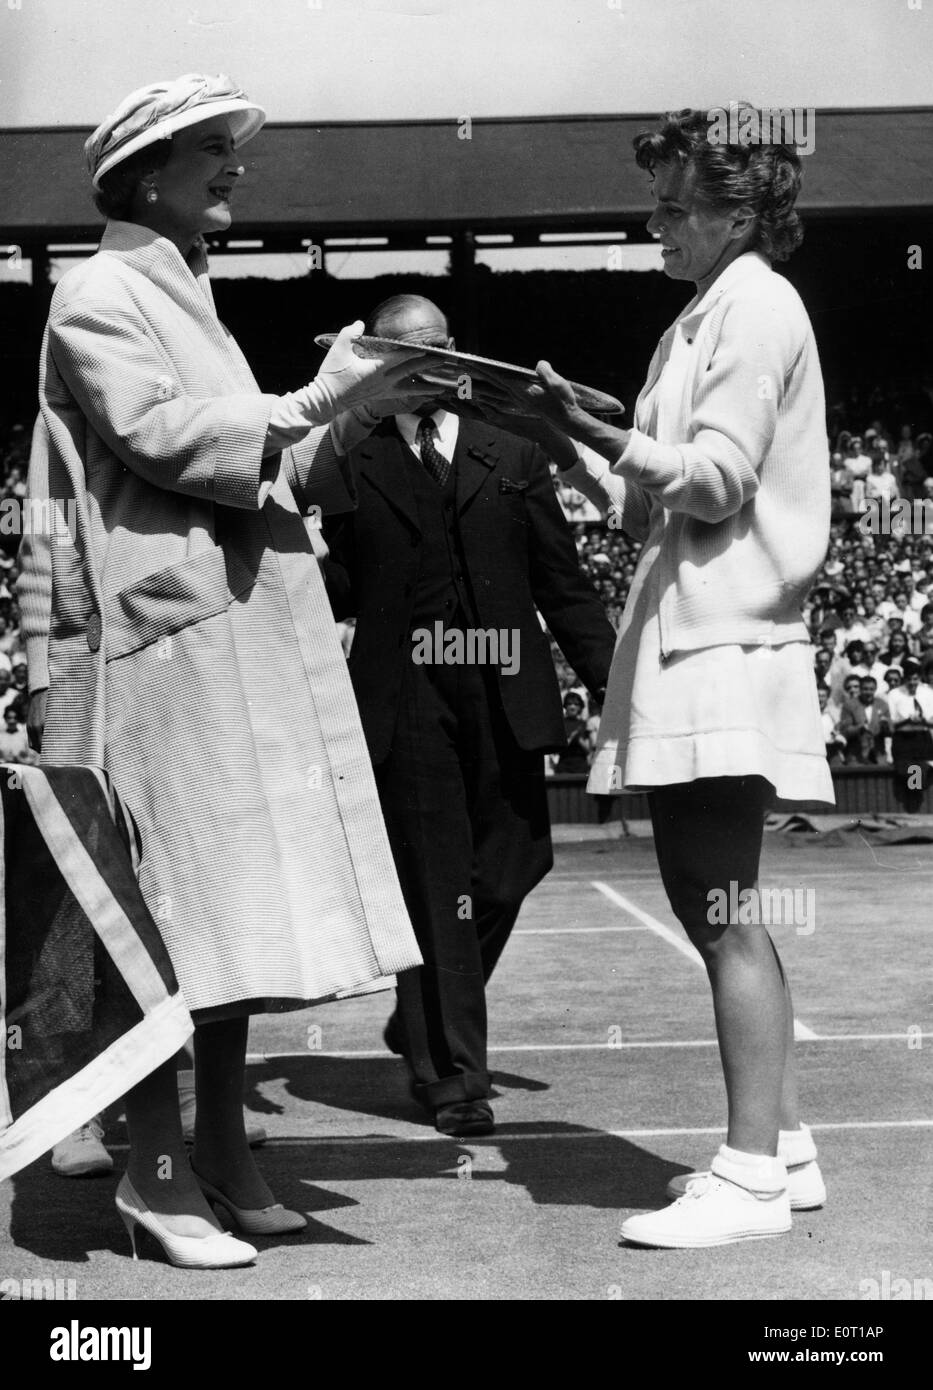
x: 697, y: 1187
x: 92, y: 1130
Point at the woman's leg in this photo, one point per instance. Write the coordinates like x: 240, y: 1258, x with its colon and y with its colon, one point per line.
x: 158, y: 1164
x: 790, y: 1113
x: 221, y: 1153
x: 708, y: 837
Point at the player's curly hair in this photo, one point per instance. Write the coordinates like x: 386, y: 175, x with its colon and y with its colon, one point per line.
x: 763, y: 177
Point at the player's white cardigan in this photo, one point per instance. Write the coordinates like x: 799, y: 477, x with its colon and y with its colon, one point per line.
x: 188, y: 644
x: 738, y: 461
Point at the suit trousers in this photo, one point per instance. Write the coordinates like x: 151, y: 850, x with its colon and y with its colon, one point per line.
x: 467, y: 818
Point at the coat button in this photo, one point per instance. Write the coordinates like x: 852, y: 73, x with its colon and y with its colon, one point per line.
x: 93, y: 632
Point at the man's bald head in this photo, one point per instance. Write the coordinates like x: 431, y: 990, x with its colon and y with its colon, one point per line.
x: 410, y: 318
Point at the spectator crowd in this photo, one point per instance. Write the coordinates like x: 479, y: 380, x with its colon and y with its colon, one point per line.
x: 14, y: 461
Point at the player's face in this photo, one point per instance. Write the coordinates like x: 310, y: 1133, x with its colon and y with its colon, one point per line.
x: 696, y: 240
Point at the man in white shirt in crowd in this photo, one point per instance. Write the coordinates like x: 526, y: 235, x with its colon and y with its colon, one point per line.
x: 859, y: 466
x: 833, y: 565
x: 835, y: 670
x: 852, y: 629
x: 881, y: 484
x: 876, y: 629
x: 7, y: 692
x: 911, y: 702
x: 909, y: 616
x: 875, y: 668
x: 920, y: 596
x: 829, y: 717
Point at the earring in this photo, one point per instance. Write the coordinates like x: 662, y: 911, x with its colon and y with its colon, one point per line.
x: 152, y: 194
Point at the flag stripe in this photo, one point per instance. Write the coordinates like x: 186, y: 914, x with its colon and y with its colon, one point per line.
x: 93, y: 893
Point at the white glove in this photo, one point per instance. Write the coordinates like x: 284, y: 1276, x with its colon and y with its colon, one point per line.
x: 346, y: 380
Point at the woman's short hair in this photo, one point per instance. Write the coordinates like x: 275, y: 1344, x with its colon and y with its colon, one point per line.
x: 118, y: 188
x: 763, y: 177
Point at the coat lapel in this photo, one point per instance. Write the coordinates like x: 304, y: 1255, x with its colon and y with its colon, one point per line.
x: 184, y: 280
x: 381, y: 464
x: 476, y: 456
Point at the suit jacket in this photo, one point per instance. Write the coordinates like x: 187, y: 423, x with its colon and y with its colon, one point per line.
x: 855, y: 716
x: 185, y: 636
x: 519, y: 555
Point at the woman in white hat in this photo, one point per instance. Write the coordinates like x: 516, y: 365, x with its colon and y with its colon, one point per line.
x: 182, y: 638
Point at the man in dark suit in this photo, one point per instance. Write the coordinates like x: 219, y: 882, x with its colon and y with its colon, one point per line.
x: 456, y: 540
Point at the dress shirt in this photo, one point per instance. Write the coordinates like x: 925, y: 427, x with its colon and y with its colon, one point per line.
x: 445, y: 440
x: 902, y: 704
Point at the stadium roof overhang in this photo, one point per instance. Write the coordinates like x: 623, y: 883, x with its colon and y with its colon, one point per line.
x: 404, y: 180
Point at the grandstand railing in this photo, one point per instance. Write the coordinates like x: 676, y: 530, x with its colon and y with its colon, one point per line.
x: 860, y: 790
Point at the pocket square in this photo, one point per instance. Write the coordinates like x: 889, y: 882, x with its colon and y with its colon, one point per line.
x: 510, y: 485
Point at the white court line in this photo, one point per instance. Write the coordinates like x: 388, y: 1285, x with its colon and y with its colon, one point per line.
x: 570, y: 931
x: 423, y: 1135
x: 801, y: 1032
x: 258, y: 1058
x: 799, y: 876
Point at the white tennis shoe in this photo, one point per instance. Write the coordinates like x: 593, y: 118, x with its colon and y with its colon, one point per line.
x: 712, y: 1211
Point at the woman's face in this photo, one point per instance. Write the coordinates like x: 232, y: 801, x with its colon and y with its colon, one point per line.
x: 696, y: 240
x: 195, y: 185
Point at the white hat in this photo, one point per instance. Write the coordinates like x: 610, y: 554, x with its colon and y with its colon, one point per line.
x: 156, y: 112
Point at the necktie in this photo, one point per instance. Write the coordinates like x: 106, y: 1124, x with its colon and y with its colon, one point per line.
x: 918, y: 710
x: 434, y: 461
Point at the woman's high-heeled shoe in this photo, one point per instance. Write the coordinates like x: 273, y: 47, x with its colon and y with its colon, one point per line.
x: 216, y: 1251
x: 262, y: 1221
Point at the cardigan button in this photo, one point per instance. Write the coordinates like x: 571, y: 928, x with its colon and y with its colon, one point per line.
x: 93, y: 632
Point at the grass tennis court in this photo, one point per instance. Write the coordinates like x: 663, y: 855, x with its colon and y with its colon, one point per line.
x: 607, y: 1084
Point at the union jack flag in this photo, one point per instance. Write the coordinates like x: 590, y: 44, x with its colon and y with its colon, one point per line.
x: 89, y: 1003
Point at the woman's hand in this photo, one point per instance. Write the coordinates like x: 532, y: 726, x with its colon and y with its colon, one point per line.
x: 35, y: 718
x: 346, y: 380
x: 548, y: 397
x: 551, y: 399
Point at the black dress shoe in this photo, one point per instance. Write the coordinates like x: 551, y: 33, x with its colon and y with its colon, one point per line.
x: 464, y: 1117
x: 392, y: 1036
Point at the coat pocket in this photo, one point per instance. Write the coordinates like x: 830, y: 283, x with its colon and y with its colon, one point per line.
x: 172, y: 599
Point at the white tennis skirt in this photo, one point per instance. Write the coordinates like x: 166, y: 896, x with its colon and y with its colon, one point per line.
x: 728, y: 711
